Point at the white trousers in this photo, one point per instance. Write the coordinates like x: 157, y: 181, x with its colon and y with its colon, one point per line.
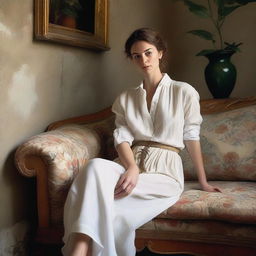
x: 91, y: 209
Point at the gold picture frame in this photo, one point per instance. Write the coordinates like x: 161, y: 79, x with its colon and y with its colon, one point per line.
x: 96, y: 39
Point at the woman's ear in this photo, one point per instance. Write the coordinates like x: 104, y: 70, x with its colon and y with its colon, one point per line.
x: 160, y: 53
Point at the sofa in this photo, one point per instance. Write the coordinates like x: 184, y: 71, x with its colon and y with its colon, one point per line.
x: 200, y: 223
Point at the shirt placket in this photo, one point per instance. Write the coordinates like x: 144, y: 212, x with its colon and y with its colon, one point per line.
x: 154, y: 102
x: 145, y: 150
x: 146, y: 113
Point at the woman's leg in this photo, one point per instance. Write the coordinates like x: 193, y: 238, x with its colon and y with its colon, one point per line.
x: 89, y: 207
x: 80, y: 245
x: 153, y: 194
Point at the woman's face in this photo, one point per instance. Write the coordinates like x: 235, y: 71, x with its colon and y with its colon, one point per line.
x: 146, y: 56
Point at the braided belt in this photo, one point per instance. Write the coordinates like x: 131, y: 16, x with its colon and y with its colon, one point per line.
x: 144, y: 151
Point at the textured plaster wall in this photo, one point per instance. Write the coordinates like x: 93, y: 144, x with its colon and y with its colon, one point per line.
x: 43, y: 82
x: 184, y: 65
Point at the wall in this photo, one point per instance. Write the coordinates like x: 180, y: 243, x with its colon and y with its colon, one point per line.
x: 184, y: 65
x: 43, y: 82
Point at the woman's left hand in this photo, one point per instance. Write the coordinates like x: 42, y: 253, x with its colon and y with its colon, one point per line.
x: 209, y: 188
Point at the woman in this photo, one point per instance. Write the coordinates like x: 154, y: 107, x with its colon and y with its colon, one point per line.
x: 109, y: 200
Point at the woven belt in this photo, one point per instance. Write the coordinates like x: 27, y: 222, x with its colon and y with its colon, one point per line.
x: 155, y: 145
x: 144, y: 151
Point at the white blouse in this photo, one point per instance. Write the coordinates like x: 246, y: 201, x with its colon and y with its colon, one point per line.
x: 174, y: 116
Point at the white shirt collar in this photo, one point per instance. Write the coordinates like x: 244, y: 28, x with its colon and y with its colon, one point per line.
x: 166, y: 80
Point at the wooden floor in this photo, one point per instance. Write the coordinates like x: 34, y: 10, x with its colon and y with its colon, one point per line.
x: 146, y: 252
x: 55, y: 251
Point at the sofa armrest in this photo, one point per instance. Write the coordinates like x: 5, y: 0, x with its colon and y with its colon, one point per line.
x: 58, y: 149
x: 55, y: 158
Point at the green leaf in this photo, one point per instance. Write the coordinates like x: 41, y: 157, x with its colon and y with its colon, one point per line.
x: 69, y: 13
x: 225, y: 11
x: 203, y: 34
x: 232, y: 47
x: 240, y: 2
x: 219, y: 3
x: 205, y: 52
x: 229, y: 2
x: 197, y: 9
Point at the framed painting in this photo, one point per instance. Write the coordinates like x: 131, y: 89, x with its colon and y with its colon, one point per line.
x: 82, y: 23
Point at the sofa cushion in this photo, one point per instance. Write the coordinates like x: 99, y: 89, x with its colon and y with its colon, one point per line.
x: 228, y: 142
x: 236, y: 203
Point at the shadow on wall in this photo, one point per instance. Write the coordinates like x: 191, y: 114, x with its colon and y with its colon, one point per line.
x: 21, y: 208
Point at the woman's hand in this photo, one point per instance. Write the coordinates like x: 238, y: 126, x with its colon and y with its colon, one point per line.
x: 209, y: 188
x: 127, y: 182
x: 194, y: 149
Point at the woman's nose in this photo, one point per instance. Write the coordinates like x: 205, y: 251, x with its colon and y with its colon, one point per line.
x: 144, y: 59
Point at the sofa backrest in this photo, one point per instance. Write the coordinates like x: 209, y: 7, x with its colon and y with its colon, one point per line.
x: 228, y: 138
x: 104, y: 129
x: 228, y: 141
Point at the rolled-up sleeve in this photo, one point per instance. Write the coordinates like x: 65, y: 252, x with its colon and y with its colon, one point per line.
x: 192, y: 116
x: 122, y: 133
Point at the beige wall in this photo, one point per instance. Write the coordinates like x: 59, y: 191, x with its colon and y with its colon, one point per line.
x: 42, y: 82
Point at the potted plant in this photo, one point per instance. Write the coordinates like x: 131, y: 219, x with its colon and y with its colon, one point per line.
x: 54, y: 9
x: 220, y: 73
x: 65, y: 12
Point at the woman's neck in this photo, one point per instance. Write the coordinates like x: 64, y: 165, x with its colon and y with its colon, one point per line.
x: 152, y: 80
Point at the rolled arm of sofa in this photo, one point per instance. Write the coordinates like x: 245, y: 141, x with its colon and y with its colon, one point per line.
x: 55, y: 158
x: 64, y: 151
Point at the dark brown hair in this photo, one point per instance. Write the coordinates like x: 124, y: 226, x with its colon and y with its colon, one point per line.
x: 148, y: 35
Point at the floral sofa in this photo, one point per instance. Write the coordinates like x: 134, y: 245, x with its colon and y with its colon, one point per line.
x: 200, y: 223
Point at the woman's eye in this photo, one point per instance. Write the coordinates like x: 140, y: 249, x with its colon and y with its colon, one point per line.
x: 148, y: 53
x: 136, y: 57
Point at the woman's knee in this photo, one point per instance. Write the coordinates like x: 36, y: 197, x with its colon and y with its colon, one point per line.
x: 103, y: 165
x: 96, y: 164
x: 96, y: 167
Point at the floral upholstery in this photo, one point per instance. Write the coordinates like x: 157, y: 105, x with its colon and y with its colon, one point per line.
x: 65, y: 151
x: 236, y: 203
x: 228, y: 144
x: 104, y: 129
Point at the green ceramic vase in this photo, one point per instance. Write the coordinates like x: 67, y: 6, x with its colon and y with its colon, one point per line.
x: 220, y: 74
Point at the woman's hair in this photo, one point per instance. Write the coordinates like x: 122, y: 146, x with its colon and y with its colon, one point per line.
x: 148, y: 35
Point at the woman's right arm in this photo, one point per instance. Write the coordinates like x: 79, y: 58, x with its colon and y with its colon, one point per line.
x: 126, y: 155
x: 123, y: 139
x: 128, y: 180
